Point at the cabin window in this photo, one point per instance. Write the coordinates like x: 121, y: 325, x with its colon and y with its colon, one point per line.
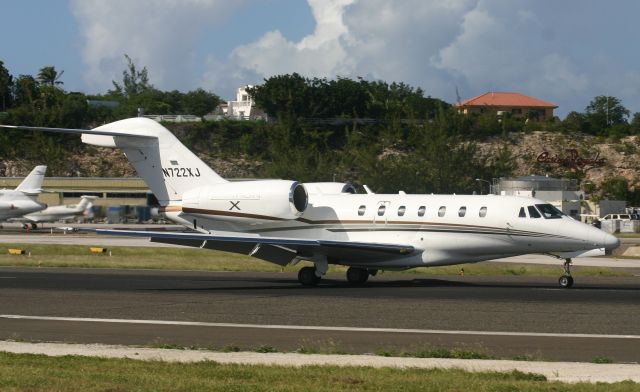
x: 533, y: 213
x: 361, y: 210
x: 381, y: 210
x: 441, y: 211
x: 549, y: 212
x: 483, y: 212
x: 522, y: 214
x: 422, y: 210
x: 462, y: 211
x: 401, y: 210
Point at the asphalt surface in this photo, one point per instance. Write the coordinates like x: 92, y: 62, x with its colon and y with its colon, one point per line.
x: 604, y: 306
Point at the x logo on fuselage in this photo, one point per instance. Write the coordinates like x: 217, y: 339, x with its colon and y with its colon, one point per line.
x: 234, y: 205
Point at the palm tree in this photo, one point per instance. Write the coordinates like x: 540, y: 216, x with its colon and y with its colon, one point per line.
x: 48, y: 75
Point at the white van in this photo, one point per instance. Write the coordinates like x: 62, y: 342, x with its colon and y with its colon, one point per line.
x: 625, y: 217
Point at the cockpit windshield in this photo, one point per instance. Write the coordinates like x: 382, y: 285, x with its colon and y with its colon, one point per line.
x: 549, y: 212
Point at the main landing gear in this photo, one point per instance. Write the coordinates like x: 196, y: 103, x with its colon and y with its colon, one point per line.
x: 566, y: 280
x: 356, y: 276
x: 307, y: 276
x: 311, y: 276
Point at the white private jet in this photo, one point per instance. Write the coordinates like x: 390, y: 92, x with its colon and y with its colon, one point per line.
x: 284, y: 222
x: 56, y: 213
x: 22, y: 200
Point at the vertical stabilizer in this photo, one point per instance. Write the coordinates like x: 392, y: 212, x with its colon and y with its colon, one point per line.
x: 85, y: 202
x: 32, y: 184
x: 166, y: 165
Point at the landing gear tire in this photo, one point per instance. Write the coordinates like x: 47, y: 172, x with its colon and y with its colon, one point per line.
x: 565, y: 281
x: 34, y: 226
x: 307, y: 276
x: 357, y: 276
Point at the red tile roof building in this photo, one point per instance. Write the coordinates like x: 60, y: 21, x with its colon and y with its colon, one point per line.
x: 514, y: 103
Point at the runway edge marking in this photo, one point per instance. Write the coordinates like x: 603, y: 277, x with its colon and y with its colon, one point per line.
x: 316, y: 328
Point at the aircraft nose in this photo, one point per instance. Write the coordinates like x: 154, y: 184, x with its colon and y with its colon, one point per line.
x: 600, y: 239
x: 610, y: 242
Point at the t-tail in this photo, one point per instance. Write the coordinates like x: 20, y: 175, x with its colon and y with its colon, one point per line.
x: 32, y: 184
x: 166, y: 165
x: 85, y: 202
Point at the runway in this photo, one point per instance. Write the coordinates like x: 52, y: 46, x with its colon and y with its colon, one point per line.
x: 501, y: 316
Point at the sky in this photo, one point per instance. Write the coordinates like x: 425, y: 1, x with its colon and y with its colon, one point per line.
x: 565, y: 52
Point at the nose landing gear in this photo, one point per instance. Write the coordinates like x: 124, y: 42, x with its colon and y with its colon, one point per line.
x: 566, y: 280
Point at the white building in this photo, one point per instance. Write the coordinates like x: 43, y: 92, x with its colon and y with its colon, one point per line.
x: 240, y: 109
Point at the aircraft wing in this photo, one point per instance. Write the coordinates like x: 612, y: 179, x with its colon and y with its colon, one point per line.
x: 275, y: 249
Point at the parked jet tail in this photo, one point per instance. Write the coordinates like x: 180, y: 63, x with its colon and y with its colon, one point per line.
x: 32, y: 184
x: 85, y: 202
x: 165, y: 164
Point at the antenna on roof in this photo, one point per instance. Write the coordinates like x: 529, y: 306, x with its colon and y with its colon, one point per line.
x: 458, y: 99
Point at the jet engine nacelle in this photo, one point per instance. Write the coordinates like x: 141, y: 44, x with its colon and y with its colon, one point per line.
x: 278, y: 199
x: 329, y: 188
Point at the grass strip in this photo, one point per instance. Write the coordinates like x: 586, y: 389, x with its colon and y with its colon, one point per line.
x: 19, y: 372
x: 47, y: 255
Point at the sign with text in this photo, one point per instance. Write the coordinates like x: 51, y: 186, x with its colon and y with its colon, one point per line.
x: 571, y: 159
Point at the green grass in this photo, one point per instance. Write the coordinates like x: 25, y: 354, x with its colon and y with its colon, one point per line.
x: 328, y: 346
x: 20, y: 372
x: 602, y: 360
x: 47, y: 255
x: 627, y: 235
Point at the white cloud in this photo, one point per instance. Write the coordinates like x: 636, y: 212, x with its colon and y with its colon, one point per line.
x: 319, y: 54
x: 552, y: 52
x: 376, y: 39
x: 158, y: 34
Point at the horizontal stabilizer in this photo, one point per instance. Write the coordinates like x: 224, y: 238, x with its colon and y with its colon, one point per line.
x: 82, y: 131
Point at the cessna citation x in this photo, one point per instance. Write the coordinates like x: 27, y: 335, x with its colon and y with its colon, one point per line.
x: 284, y: 222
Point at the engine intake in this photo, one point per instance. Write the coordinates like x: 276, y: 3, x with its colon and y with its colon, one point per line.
x: 298, y: 197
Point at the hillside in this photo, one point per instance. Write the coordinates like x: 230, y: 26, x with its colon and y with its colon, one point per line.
x: 597, y: 159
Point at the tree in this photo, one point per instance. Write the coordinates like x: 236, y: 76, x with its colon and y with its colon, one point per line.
x: 616, y: 188
x: 25, y: 89
x: 575, y: 122
x: 199, y: 102
x: 6, y: 84
x: 134, y: 82
x: 282, y: 96
x: 635, y: 123
x: 605, y: 111
x: 49, y: 76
